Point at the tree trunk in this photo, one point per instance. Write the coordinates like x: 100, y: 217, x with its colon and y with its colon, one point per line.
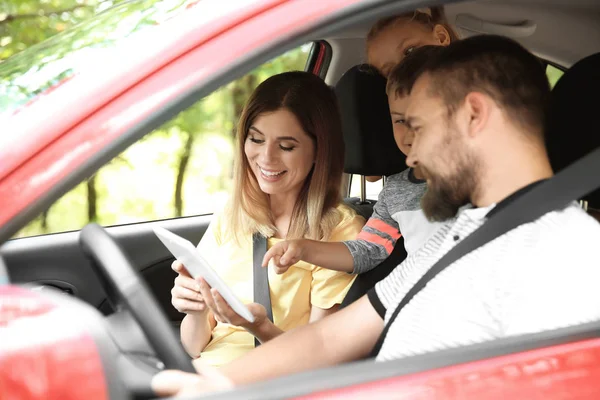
x: 44, y: 221
x: 184, y: 159
x: 92, y: 199
x: 240, y: 92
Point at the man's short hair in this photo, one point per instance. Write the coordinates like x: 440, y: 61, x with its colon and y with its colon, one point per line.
x: 402, y: 78
x: 498, y: 67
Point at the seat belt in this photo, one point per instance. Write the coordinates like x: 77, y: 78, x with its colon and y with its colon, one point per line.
x: 570, y: 184
x: 260, y: 274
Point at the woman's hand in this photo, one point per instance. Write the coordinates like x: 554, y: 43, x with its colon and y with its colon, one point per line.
x: 223, y: 312
x: 185, y: 295
x: 284, y: 255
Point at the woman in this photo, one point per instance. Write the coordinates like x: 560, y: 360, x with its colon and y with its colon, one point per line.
x: 288, y: 172
x: 392, y: 38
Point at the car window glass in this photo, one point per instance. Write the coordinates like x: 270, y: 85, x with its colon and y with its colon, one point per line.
x: 373, y: 188
x: 113, y: 33
x: 183, y: 168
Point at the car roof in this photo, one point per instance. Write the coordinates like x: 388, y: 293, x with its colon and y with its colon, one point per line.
x: 562, y: 31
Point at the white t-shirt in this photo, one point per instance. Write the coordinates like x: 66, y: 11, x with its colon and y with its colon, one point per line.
x: 540, y: 276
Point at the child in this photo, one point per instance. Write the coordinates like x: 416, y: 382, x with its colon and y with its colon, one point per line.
x: 396, y: 213
x: 391, y: 38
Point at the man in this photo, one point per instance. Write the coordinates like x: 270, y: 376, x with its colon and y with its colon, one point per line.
x: 477, y: 112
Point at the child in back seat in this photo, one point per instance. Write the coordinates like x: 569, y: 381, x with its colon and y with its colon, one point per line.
x: 397, y: 211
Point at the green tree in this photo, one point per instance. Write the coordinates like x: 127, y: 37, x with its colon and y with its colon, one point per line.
x: 66, y: 38
x: 28, y: 23
x: 189, y: 125
x: 188, y: 159
x: 24, y: 23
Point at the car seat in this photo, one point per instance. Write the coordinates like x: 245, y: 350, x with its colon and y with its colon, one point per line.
x: 370, y: 150
x: 572, y: 124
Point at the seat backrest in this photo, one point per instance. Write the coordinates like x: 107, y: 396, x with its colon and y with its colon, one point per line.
x: 572, y: 127
x: 366, y: 123
x: 367, y: 128
x: 370, y: 150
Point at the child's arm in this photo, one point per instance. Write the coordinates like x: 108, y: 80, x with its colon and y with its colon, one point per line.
x: 378, y: 237
x: 330, y: 255
x: 373, y: 245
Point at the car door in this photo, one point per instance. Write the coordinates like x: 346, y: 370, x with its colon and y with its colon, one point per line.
x: 176, y: 177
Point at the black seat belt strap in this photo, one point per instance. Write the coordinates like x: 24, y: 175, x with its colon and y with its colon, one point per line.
x: 260, y: 275
x: 570, y: 184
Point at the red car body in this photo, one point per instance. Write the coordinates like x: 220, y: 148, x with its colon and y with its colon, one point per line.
x: 48, y: 143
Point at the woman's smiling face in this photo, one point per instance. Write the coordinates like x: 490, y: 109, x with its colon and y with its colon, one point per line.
x: 280, y: 153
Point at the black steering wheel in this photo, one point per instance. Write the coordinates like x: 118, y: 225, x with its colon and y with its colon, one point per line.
x: 125, y: 288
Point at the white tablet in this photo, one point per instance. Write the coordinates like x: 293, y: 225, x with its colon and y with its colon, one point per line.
x: 188, y: 254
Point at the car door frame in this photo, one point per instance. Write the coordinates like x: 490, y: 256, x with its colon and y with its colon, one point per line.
x: 102, y: 135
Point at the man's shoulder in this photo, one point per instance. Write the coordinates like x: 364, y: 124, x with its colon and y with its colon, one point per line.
x: 574, y: 221
x: 573, y: 214
x: 568, y: 232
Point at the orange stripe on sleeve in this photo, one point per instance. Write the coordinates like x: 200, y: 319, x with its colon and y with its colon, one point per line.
x: 376, y: 239
x: 384, y: 228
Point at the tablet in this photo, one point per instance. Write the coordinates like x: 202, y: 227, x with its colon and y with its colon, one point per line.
x: 188, y: 254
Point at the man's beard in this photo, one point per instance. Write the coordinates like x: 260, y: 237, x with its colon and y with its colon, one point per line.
x: 445, y: 195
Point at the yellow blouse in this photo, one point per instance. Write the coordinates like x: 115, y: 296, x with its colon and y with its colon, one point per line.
x: 292, y: 293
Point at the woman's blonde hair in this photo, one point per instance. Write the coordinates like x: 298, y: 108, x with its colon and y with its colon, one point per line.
x: 429, y: 17
x: 315, y: 214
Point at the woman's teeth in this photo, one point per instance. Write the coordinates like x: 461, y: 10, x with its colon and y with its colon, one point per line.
x: 270, y: 173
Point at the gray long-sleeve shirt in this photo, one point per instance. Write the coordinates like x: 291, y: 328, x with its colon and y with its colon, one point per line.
x: 397, y: 212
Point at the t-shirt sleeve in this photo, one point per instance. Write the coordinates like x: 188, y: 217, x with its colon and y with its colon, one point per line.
x: 378, y: 237
x: 329, y: 287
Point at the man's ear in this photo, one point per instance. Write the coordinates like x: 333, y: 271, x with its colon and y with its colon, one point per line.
x: 478, y: 108
x: 441, y: 35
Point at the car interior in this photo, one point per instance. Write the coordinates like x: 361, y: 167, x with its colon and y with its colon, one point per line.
x: 563, y: 34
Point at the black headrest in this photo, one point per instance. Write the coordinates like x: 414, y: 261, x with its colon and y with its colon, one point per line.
x: 573, y: 127
x: 366, y: 123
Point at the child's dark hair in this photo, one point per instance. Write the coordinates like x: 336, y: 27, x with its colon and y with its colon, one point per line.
x: 402, y: 78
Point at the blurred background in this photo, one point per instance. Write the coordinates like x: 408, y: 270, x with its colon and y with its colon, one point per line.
x: 181, y: 169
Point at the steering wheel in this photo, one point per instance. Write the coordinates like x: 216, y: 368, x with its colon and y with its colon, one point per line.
x: 124, y: 287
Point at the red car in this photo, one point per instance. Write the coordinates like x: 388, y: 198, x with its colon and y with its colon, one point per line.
x: 74, y: 328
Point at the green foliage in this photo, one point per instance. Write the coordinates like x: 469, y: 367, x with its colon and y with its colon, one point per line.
x: 182, y: 168
x: 24, y: 23
x: 553, y: 74
x: 61, y: 35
